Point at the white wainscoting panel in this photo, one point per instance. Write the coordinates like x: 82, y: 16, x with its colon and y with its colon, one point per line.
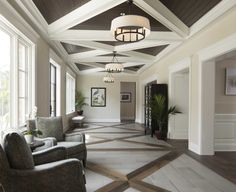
x: 224, y: 132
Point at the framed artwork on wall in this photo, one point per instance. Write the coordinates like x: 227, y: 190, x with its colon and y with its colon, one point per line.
x: 125, y: 97
x: 230, y: 81
x: 98, y: 97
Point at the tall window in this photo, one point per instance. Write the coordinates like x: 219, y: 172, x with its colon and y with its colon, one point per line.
x: 5, y: 40
x: 53, y: 90
x: 70, y: 93
x: 16, y: 94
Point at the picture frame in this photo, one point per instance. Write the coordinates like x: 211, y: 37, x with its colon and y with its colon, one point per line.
x: 125, y: 97
x: 98, y: 97
x: 230, y: 81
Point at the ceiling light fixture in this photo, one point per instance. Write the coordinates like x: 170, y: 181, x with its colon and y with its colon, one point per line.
x: 109, y: 78
x: 114, y: 66
x: 130, y: 28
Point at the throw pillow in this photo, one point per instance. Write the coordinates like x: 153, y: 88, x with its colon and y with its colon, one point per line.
x: 50, y: 127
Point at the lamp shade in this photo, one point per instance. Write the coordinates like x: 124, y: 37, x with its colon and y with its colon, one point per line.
x: 130, y: 28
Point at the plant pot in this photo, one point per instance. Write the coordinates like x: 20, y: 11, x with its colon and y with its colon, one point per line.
x: 161, y: 135
x: 29, y: 139
x: 80, y: 112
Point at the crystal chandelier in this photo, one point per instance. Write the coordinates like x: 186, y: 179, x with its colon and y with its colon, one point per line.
x: 114, y: 66
x: 130, y: 28
x: 109, y: 78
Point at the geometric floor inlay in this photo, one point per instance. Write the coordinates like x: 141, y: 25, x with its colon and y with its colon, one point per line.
x: 110, y: 130
x: 113, y: 135
x: 123, y: 162
x: 131, y: 190
x: 185, y: 174
x: 120, y: 145
x: 148, y: 140
x: 121, y: 158
x: 95, y: 181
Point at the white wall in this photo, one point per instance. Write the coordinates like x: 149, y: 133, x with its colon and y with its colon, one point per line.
x: 110, y: 113
x: 42, y: 56
x: 215, y: 32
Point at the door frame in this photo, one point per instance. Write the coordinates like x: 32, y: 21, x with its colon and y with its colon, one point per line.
x: 207, y: 112
x: 184, y: 64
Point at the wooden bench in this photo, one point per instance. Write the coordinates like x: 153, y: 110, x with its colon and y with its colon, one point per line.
x: 78, y: 120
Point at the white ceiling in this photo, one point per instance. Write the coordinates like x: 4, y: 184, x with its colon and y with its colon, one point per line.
x: 59, y: 31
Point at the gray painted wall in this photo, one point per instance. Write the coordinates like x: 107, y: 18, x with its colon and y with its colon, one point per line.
x: 224, y: 104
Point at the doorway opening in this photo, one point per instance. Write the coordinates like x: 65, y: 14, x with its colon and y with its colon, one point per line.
x: 180, y: 98
x: 127, y: 101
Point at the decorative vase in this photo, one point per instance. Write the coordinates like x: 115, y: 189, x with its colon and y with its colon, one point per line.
x: 29, y: 139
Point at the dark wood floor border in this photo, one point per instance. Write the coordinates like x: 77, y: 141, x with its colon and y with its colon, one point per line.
x: 146, y: 187
x: 148, y: 144
x: 126, y: 149
x: 97, y: 142
x: 123, y: 128
x: 148, y: 169
x: 128, y: 132
x: 106, y: 172
x: 115, y: 186
x: 118, y: 138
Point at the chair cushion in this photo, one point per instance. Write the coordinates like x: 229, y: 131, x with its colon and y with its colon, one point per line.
x: 72, y: 147
x: 17, y: 151
x: 3, y: 160
x: 50, y: 127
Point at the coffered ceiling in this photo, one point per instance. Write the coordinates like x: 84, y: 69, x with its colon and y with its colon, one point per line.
x: 80, y: 29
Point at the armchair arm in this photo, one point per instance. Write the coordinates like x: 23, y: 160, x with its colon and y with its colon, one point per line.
x: 75, y: 137
x: 49, y: 155
x: 51, y: 139
x: 60, y: 176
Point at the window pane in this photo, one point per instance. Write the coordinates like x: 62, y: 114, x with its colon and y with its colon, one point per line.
x: 4, y: 80
x: 22, y: 83
x: 70, y: 94
x: 22, y: 111
x: 53, y: 90
x: 22, y: 57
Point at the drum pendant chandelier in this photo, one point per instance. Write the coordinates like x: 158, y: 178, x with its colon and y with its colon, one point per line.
x: 109, y: 78
x: 114, y: 66
x: 130, y: 28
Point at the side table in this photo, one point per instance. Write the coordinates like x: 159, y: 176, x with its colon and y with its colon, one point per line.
x: 78, y: 120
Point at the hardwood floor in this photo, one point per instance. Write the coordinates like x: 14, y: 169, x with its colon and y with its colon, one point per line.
x: 223, y: 163
x: 122, y: 158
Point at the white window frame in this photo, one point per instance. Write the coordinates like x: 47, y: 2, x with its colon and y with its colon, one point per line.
x: 70, y: 93
x: 16, y: 38
x: 58, y: 86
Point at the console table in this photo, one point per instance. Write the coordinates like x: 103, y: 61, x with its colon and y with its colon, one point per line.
x: 78, y: 120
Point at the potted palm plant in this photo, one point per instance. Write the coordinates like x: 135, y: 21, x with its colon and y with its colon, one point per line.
x: 80, y: 102
x: 161, y: 113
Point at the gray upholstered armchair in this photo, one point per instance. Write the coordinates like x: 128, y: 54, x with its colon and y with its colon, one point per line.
x: 20, y: 171
x: 52, y: 127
